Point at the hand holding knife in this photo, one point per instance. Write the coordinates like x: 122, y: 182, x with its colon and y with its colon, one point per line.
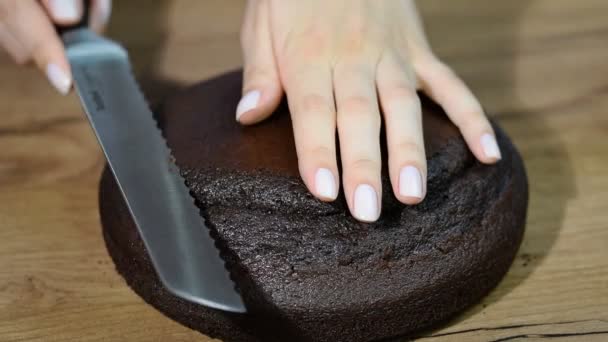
x: 178, y: 242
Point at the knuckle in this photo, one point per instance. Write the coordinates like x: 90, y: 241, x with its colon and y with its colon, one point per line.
x: 402, y: 94
x: 356, y: 50
x: 309, y: 44
x: 356, y: 27
x: 359, y: 38
x: 357, y: 104
x: 354, y: 39
x: 314, y: 104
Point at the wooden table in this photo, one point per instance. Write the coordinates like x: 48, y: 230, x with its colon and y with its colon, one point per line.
x: 539, y: 67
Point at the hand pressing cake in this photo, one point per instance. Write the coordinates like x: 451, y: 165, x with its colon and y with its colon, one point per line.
x: 307, y: 270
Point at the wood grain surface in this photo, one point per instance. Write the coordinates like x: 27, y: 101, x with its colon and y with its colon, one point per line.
x: 540, y: 67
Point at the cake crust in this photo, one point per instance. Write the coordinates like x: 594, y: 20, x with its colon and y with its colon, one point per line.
x: 306, y: 269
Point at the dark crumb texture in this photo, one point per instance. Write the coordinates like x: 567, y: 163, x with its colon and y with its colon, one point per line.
x: 306, y: 269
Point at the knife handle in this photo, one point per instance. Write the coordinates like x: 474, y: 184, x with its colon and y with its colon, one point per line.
x: 84, y: 20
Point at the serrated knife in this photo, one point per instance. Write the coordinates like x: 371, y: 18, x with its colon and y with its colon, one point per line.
x: 183, y: 253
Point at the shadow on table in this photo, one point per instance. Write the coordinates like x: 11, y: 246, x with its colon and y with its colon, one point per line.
x: 145, y: 33
x: 547, y: 162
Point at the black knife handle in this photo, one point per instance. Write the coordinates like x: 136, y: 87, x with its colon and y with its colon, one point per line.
x: 83, y: 22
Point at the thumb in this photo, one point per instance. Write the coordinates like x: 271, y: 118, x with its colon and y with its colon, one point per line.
x: 262, y: 89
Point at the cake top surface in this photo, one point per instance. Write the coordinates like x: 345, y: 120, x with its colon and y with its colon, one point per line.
x: 286, y: 247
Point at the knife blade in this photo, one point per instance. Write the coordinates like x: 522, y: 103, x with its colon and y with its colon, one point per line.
x: 180, y: 247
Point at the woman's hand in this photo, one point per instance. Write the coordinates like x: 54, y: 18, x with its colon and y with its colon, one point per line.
x: 27, y: 33
x: 339, y: 62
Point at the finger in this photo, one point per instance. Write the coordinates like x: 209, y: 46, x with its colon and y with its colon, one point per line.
x: 314, y: 124
x: 309, y: 93
x: 448, y: 90
x: 14, y: 48
x: 262, y: 89
x: 100, y: 14
x: 31, y: 27
x: 64, y: 12
x: 359, y: 131
x: 404, y: 134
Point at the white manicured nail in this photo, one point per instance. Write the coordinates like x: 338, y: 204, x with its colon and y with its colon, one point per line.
x: 325, y: 184
x: 58, y: 78
x: 101, y: 13
x: 248, y: 102
x: 489, y: 146
x: 366, y: 203
x: 410, y: 182
x: 64, y: 10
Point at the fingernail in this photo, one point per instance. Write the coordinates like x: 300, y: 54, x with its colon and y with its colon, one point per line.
x: 325, y: 184
x: 64, y: 10
x: 101, y: 15
x: 410, y: 182
x: 366, y: 203
x: 489, y: 146
x: 247, y: 103
x: 58, y: 78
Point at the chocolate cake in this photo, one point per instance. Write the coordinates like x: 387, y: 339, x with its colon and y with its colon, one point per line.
x: 306, y: 269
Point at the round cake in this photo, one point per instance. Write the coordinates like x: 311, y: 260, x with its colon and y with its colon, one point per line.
x: 306, y: 269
